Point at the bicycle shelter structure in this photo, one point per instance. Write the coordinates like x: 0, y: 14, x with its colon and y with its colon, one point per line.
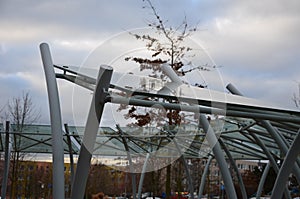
x: 252, y: 130
x: 266, y: 126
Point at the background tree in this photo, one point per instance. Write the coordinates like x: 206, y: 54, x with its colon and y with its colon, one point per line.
x: 20, y: 111
x: 166, y: 46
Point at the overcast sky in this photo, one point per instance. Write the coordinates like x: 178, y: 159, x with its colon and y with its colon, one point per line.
x: 256, y: 42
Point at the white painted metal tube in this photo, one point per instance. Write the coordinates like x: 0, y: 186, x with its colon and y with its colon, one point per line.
x: 56, y: 124
x: 168, y: 70
x: 90, y: 132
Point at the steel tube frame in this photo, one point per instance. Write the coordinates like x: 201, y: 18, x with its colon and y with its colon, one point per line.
x: 286, y: 167
x: 182, y: 158
x: 202, y: 109
x: 133, y: 180
x: 273, y: 164
x: 70, y: 153
x: 219, y: 156
x: 210, y: 134
x: 186, y: 168
x: 143, y: 176
x: 90, y: 131
x: 282, y: 144
x: 6, y: 161
x: 236, y: 170
x: 56, y: 124
x: 203, y: 177
x: 262, y: 180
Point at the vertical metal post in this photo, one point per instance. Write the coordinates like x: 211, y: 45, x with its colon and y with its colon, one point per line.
x: 190, y: 180
x: 286, y: 168
x: 90, y: 131
x: 143, y: 176
x: 203, y: 178
x: 186, y: 168
x: 216, y: 148
x: 273, y: 164
x: 70, y: 153
x: 262, y: 180
x: 56, y: 124
x: 6, y: 161
x: 238, y: 174
x: 133, y: 180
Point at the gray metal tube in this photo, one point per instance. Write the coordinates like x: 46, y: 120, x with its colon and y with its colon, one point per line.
x: 282, y: 145
x: 286, y: 168
x: 262, y: 180
x: 271, y: 161
x: 216, y: 148
x: 197, y: 109
x: 233, y: 89
x: 186, y: 168
x: 143, y: 176
x: 133, y: 180
x: 169, y: 71
x: 56, y: 124
x: 238, y: 174
x: 266, y: 151
x: 278, y: 139
x: 90, y: 132
x: 70, y: 154
x: 6, y: 161
x: 203, y: 177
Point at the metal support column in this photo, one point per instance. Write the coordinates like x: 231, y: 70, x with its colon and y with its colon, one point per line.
x: 90, y: 131
x: 278, y: 139
x: 286, y: 167
x: 56, y: 124
x: 6, y: 161
x: 203, y: 178
x: 273, y: 164
x: 262, y: 180
x: 282, y: 145
x: 236, y: 170
x: 186, y: 168
x: 70, y: 153
x: 133, y: 180
x: 143, y: 176
x: 216, y: 148
x: 187, y: 171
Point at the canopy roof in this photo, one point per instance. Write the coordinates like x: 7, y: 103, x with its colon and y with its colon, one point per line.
x: 237, y: 136
x: 239, y: 128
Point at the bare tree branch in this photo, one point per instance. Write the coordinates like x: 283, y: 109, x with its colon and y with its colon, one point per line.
x: 166, y: 45
x: 21, y: 111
